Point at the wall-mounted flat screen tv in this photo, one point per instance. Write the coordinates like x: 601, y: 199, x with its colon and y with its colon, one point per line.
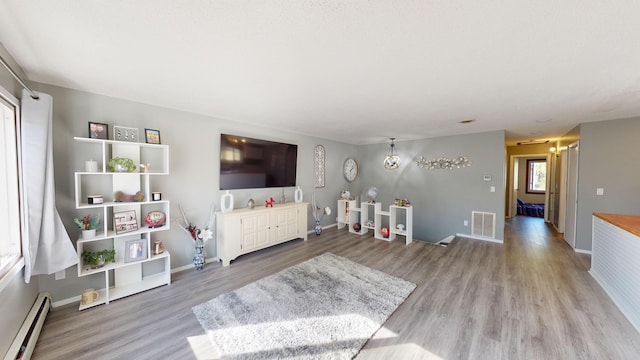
x: 247, y: 163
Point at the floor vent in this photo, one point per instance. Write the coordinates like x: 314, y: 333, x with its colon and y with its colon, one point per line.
x: 483, y: 224
x: 24, y: 343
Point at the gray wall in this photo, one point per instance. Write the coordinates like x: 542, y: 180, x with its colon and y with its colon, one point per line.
x: 441, y: 199
x: 16, y: 299
x: 609, y: 158
x: 193, y: 182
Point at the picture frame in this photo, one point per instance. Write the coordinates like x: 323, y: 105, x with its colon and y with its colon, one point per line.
x: 135, y: 250
x: 125, y: 221
x: 152, y: 136
x: 98, y: 131
x: 123, y: 133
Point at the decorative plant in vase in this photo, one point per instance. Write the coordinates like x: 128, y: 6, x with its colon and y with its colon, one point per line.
x: 88, y: 224
x: 199, y: 236
x: 318, y: 213
x: 98, y: 258
x: 121, y: 165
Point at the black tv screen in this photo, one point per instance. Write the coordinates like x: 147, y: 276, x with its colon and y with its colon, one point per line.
x: 247, y: 163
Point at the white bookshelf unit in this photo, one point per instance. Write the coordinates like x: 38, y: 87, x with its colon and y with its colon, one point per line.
x: 349, y: 214
x: 122, y: 278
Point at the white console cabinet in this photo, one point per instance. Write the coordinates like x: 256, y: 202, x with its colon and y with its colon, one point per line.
x: 126, y: 276
x: 246, y: 230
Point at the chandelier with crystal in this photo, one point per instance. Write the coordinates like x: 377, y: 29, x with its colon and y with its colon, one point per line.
x: 392, y: 161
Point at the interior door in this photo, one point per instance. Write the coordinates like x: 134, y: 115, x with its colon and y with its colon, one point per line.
x: 572, y: 194
x: 562, y: 192
x: 513, y: 191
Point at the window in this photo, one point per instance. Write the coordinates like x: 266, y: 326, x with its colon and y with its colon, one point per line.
x: 536, y: 176
x: 10, y: 194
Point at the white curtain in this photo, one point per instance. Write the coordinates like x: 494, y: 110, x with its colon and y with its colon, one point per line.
x: 48, y: 247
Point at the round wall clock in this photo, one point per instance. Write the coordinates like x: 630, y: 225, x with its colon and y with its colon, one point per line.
x: 350, y: 169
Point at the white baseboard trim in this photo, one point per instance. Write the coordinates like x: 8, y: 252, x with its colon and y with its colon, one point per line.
x: 474, y: 237
x: 76, y: 299
x: 446, y: 240
x: 71, y: 300
x: 583, y: 251
x: 312, y: 231
x: 191, y: 266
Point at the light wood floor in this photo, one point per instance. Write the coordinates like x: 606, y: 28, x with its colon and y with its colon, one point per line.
x: 531, y: 298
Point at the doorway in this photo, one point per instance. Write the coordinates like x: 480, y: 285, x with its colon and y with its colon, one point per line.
x: 515, y: 192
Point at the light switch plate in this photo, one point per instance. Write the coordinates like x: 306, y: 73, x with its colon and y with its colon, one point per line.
x: 600, y: 191
x: 122, y: 133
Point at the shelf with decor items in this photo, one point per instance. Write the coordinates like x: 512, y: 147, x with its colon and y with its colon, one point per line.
x: 130, y: 202
x: 372, y: 217
x: 348, y: 215
x: 395, y: 218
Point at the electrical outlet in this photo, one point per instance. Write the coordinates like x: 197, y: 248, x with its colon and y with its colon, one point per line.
x: 61, y: 274
x: 466, y: 223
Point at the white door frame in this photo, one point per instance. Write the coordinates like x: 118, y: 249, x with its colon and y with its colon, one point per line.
x: 562, y: 189
x: 572, y: 194
x: 513, y: 197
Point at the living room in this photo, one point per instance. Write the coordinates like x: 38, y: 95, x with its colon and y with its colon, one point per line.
x: 443, y: 200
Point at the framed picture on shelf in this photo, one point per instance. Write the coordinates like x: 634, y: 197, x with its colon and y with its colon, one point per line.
x: 135, y: 250
x: 152, y: 136
x: 125, y: 221
x: 98, y: 130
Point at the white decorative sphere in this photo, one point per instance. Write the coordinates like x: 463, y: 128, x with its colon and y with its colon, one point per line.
x: 372, y: 193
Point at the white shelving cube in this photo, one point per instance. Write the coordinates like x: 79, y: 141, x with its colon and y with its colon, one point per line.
x: 128, y: 278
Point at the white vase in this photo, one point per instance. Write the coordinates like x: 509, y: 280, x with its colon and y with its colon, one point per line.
x: 298, y: 195
x: 88, y: 234
x: 226, y: 202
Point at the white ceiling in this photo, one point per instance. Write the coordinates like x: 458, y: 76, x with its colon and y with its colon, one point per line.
x: 353, y: 71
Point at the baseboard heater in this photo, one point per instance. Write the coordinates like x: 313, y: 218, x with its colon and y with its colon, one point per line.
x: 24, y: 343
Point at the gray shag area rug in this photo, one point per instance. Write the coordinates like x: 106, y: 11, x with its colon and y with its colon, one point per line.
x: 324, y: 308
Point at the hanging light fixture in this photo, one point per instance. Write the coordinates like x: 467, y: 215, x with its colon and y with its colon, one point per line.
x: 392, y: 161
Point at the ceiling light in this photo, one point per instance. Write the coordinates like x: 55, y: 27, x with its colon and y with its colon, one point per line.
x: 533, y: 142
x: 392, y: 161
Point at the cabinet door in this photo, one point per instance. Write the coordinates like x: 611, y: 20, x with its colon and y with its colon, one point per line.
x: 255, y: 231
x: 286, y: 224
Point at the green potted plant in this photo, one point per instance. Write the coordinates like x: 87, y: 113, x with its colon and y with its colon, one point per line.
x: 119, y: 164
x: 88, y: 224
x: 96, y: 259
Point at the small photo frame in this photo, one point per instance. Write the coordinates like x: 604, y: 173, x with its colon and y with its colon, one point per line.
x: 125, y: 221
x: 152, y: 136
x: 98, y: 130
x: 135, y: 250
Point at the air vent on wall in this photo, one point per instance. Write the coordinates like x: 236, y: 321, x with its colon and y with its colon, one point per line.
x: 483, y: 224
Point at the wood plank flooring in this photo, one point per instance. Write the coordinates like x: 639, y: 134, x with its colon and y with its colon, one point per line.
x: 531, y: 298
